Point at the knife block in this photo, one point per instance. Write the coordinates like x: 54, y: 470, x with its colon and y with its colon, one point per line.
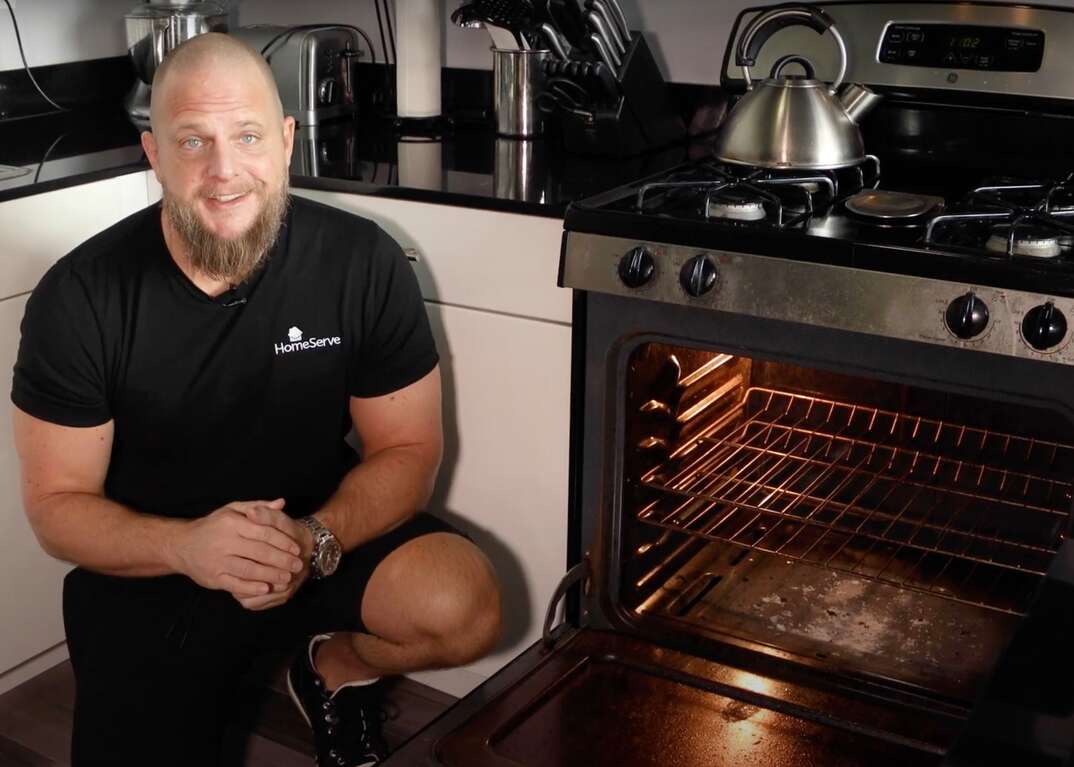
x: 634, y: 113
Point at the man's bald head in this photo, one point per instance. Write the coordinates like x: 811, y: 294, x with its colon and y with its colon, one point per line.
x: 214, y: 53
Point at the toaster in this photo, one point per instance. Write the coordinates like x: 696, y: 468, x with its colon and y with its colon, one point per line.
x: 314, y: 67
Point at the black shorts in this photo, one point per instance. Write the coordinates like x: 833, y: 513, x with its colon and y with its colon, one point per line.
x: 158, y: 662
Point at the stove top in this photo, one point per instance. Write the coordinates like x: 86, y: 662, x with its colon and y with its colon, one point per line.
x: 963, y: 224
x: 1003, y: 218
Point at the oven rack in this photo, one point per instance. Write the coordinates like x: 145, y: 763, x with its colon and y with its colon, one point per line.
x: 959, y: 512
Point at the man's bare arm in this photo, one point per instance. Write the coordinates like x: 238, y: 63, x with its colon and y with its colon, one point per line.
x: 240, y: 548
x: 402, y: 443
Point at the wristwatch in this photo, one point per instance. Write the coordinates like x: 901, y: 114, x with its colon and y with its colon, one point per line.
x: 324, y: 559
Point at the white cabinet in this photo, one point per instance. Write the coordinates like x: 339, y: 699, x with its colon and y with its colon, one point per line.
x: 38, y: 229
x: 504, y: 481
x: 30, y: 616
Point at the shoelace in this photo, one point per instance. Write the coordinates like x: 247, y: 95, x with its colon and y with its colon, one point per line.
x: 354, y: 739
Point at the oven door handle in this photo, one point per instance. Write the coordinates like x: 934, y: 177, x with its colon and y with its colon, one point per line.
x: 576, y: 574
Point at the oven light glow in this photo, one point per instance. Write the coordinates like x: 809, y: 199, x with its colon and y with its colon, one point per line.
x: 754, y: 683
x: 715, y: 363
x: 709, y: 400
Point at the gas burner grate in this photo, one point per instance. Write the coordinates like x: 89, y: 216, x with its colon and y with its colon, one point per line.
x: 958, y: 512
x: 1011, y: 219
x: 781, y: 199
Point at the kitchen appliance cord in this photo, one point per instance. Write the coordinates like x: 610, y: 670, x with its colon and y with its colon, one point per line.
x: 389, y: 80
x: 391, y: 31
x: 22, y: 55
x: 46, y: 155
x: 383, y: 38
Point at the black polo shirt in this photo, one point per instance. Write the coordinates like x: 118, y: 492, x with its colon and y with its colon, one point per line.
x: 240, y: 397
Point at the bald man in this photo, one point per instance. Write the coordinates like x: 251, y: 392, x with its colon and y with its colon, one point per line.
x: 184, y: 384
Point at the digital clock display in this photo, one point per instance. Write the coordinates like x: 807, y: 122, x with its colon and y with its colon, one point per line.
x: 963, y: 46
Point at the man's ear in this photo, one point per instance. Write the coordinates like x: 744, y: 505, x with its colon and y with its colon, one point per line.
x: 149, y: 146
x: 288, y: 138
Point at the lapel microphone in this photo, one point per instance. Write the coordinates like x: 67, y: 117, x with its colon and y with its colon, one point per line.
x: 233, y: 300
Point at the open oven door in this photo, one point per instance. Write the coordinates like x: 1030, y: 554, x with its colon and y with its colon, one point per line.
x: 604, y: 699
x: 1025, y: 716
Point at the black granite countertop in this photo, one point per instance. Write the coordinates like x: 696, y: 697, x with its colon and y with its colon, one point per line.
x: 468, y: 166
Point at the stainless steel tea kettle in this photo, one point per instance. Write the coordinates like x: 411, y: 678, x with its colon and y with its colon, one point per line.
x: 790, y: 121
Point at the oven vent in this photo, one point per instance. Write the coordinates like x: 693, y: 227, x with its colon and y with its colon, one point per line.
x: 955, y: 511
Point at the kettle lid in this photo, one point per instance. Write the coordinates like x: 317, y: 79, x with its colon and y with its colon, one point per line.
x: 778, y: 79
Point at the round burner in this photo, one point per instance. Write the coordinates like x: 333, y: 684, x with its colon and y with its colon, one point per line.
x: 882, y: 204
x: 735, y: 208
x: 1028, y: 241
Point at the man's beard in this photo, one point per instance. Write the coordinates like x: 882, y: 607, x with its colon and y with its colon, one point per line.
x: 222, y: 259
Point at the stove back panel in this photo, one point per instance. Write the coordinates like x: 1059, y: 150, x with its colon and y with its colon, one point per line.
x: 866, y: 25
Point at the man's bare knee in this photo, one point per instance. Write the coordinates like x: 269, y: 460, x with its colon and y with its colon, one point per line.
x: 472, y: 627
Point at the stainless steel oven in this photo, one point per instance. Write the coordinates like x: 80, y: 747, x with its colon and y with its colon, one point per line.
x: 822, y: 446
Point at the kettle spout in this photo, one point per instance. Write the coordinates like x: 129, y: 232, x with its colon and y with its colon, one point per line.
x: 858, y: 101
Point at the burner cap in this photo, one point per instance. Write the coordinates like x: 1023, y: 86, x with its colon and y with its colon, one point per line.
x: 880, y: 203
x: 736, y: 207
x: 1027, y: 242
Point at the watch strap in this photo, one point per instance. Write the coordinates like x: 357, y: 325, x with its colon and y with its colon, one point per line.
x: 321, y: 537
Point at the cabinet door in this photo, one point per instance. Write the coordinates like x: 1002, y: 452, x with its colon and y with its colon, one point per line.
x: 504, y: 475
x: 31, y: 619
x: 41, y: 228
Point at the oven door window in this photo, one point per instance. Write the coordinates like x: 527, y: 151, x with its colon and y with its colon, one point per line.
x: 880, y: 530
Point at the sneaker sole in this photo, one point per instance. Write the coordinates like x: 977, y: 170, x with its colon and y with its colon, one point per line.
x: 298, y: 704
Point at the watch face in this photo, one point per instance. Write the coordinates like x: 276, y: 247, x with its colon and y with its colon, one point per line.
x: 328, y: 557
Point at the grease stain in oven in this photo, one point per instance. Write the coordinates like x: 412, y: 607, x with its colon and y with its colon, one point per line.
x: 853, y: 624
x: 737, y: 711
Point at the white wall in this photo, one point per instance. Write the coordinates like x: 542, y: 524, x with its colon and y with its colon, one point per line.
x: 688, y: 35
x: 58, y: 31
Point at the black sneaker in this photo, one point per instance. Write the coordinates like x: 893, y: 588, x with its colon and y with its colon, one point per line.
x: 346, y: 723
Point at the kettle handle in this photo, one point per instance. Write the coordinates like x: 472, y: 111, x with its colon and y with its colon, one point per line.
x: 767, y: 24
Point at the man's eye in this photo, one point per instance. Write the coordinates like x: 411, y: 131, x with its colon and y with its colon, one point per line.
x: 193, y: 142
x: 249, y: 138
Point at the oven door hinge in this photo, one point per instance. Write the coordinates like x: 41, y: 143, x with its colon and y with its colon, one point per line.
x: 576, y: 574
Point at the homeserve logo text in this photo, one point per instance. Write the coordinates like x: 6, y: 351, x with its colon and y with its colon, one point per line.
x: 296, y: 344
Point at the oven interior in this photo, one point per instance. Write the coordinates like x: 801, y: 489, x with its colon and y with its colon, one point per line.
x: 877, y: 530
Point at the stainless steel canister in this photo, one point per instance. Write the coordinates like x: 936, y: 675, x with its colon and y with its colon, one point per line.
x: 517, y: 79
x: 520, y: 171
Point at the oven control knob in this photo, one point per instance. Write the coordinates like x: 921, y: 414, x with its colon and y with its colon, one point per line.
x: 698, y: 275
x: 637, y: 267
x: 967, y: 316
x: 1044, y: 326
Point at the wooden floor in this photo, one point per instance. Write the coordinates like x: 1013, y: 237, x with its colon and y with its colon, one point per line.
x: 35, y: 722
